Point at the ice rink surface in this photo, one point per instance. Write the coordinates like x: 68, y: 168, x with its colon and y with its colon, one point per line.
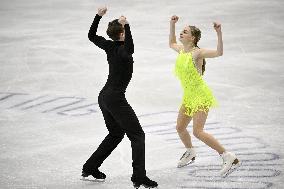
x: 50, y: 77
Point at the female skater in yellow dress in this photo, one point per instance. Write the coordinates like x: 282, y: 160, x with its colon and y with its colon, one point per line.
x: 197, y: 96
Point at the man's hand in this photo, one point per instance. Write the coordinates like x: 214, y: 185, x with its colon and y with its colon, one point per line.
x: 102, y: 11
x: 122, y: 20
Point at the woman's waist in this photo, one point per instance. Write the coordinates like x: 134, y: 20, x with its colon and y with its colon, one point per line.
x: 195, y: 87
x: 192, y: 83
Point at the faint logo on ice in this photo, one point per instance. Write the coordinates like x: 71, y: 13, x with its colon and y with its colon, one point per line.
x: 258, y: 167
x: 62, y: 105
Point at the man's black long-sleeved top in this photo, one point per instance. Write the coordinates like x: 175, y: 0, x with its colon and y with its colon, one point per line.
x: 119, y: 56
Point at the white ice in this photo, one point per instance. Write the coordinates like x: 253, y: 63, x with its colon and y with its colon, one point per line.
x: 50, y: 77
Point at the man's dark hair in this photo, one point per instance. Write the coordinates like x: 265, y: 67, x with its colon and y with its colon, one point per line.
x: 114, y: 29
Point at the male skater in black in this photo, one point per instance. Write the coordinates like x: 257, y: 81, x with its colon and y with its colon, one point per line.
x: 119, y: 117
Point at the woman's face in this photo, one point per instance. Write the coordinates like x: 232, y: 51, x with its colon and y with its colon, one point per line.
x: 185, y: 35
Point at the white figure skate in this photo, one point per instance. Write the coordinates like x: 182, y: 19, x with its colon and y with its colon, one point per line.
x: 187, y: 158
x: 230, y: 163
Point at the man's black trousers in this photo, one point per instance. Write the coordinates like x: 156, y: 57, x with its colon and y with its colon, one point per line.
x: 119, y: 118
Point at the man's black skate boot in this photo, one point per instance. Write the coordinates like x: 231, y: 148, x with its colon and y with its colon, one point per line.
x: 99, y: 176
x: 144, y: 181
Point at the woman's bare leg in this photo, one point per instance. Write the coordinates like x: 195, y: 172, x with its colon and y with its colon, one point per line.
x: 199, y: 120
x: 182, y: 122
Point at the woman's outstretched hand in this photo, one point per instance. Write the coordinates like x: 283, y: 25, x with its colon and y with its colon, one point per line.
x: 174, y: 19
x: 217, y: 26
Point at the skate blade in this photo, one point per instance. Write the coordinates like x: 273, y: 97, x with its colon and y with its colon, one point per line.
x: 145, y: 186
x: 180, y: 166
x: 234, y: 166
x: 92, y: 179
x: 149, y: 186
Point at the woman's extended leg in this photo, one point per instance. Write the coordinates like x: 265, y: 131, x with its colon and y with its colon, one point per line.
x: 199, y: 120
x: 230, y: 160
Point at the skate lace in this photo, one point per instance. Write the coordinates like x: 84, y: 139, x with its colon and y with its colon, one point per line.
x: 185, y: 155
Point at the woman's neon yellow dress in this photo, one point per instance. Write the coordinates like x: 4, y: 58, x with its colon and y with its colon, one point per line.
x: 197, y: 96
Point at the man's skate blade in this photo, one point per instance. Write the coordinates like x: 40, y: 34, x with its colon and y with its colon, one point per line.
x: 232, y: 169
x: 92, y: 179
x: 146, y: 187
x: 151, y: 187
